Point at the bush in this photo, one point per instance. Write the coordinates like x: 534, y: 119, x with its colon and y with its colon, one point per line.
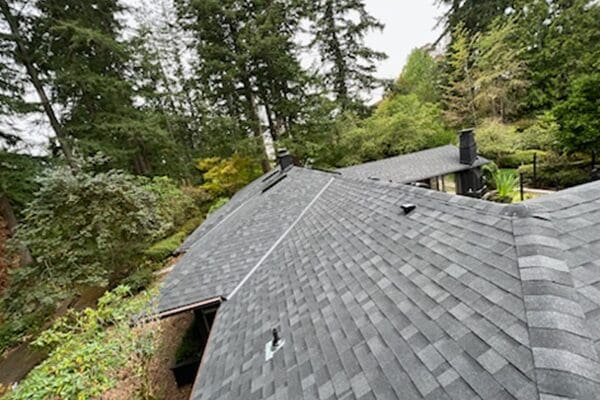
x: 496, y: 140
x: 83, y: 230
x: 224, y: 177
x: 163, y: 249
x: 542, y: 134
x: 521, y: 157
x: 87, y: 349
x: 220, y: 202
x: 555, y: 176
x: 173, y: 205
x: 401, y: 124
x: 506, y: 182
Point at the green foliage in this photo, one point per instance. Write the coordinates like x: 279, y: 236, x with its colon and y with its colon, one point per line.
x: 164, y: 248
x: 220, y: 202
x: 87, y: 348
x: 578, y: 115
x: 558, y: 175
x: 82, y: 230
x: 542, y: 134
x: 173, y: 206
x: 340, y: 42
x: 506, y: 183
x: 521, y: 157
x: 459, y: 89
x: 17, y: 177
x: 420, y: 76
x: 496, y: 140
x: 500, y: 72
x: 400, y: 124
x: 223, y: 177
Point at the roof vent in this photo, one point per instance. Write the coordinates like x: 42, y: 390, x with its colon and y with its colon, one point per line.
x: 408, y: 208
x: 468, y: 147
x: 284, y: 159
x: 273, y: 345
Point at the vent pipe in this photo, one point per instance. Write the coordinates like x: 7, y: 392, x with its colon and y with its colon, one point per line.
x: 284, y: 159
x: 468, y: 147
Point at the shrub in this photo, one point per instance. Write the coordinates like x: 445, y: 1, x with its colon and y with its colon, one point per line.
x: 223, y: 177
x: 220, y: 202
x: 87, y: 348
x: 555, y: 176
x: 86, y: 229
x: 401, y: 124
x: 173, y: 205
x: 163, y: 249
x: 542, y: 134
x: 83, y: 230
x: 521, y: 157
x: 496, y: 140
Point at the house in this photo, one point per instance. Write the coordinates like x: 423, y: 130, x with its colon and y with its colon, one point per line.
x: 316, y: 285
x: 428, y: 168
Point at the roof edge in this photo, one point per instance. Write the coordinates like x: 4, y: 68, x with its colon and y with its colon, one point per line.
x: 564, y: 356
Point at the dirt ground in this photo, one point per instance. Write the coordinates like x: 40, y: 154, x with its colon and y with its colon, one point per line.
x: 160, y: 378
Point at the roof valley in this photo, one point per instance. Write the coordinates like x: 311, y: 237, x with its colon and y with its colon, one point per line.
x: 564, y: 355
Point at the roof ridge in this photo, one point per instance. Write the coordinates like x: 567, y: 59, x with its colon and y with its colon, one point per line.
x: 565, y: 358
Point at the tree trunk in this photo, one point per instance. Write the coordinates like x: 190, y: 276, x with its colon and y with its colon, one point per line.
x: 23, y: 57
x: 256, y: 128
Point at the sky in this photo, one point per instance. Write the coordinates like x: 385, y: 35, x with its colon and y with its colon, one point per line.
x: 408, y: 24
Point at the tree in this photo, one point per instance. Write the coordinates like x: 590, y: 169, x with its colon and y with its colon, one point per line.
x: 578, y: 115
x: 89, y: 71
x: 562, y: 43
x: 459, y: 89
x: 339, y: 28
x: 421, y: 76
x: 22, y: 51
x: 473, y: 15
x: 500, y: 73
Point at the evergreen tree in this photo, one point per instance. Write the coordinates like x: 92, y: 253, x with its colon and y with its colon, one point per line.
x: 17, y: 49
x: 459, y: 89
x: 246, y: 67
x: 78, y: 47
x: 473, y: 15
x: 339, y: 28
x: 421, y: 76
x: 500, y: 73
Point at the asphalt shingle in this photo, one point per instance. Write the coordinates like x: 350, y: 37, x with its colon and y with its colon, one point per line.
x: 458, y: 299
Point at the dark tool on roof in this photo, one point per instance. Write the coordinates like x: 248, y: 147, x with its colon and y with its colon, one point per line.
x: 408, y: 208
x: 276, y: 338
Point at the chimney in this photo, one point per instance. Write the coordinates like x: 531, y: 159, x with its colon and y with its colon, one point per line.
x: 284, y: 159
x: 468, y: 147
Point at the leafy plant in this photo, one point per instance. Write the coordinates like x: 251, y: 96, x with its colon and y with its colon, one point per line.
x: 506, y: 182
x: 225, y: 176
x: 87, y: 348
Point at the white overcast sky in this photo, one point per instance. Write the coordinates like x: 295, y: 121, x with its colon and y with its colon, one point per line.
x: 408, y: 24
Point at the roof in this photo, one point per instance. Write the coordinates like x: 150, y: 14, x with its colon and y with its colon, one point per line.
x: 459, y: 299
x: 413, y: 167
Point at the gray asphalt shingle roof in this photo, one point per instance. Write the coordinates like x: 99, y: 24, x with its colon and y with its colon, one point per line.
x: 459, y: 299
x: 413, y: 167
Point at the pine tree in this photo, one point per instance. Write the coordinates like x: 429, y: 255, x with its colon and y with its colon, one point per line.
x: 500, y: 73
x: 339, y: 28
x: 459, y: 90
x: 247, y: 67
x: 89, y: 69
x: 18, y: 49
x: 474, y: 15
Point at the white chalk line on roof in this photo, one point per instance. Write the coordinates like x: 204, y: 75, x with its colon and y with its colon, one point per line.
x: 288, y: 230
